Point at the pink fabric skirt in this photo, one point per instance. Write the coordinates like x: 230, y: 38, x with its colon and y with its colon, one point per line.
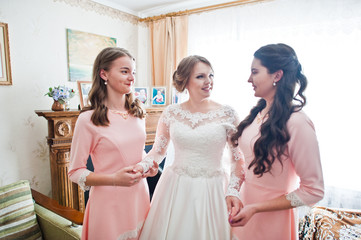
x: 116, y: 213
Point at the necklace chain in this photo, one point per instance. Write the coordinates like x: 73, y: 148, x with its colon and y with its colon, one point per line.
x: 123, y: 114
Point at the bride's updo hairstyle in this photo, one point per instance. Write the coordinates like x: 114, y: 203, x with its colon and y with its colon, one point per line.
x: 184, y: 70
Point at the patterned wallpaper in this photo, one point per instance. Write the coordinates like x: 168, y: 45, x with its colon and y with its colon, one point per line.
x: 37, y: 39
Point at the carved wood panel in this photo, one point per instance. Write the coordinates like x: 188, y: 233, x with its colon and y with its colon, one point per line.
x: 60, y: 132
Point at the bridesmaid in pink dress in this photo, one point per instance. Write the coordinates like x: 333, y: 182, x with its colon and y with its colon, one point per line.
x: 112, y: 131
x: 280, y: 149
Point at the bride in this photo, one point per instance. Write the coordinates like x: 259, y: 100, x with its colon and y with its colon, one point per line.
x: 189, y: 200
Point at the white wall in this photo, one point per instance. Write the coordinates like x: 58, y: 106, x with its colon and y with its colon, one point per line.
x: 37, y: 36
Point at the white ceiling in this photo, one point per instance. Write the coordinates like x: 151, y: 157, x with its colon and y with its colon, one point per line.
x: 148, y: 8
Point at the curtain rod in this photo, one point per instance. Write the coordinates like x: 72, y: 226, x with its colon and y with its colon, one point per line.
x: 201, y: 9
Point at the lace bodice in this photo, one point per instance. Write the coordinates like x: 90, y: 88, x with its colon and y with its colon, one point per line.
x: 199, y: 140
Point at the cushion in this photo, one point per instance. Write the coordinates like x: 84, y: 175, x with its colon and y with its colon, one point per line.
x: 331, y: 223
x: 17, y: 214
x: 54, y: 226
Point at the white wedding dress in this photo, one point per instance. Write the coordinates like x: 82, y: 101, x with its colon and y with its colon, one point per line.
x: 189, y: 199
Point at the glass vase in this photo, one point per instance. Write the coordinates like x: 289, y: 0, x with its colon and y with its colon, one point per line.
x: 67, y: 104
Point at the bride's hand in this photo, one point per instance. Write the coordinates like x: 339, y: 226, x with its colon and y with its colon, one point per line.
x: 234, y: 205
x: 152, y: 171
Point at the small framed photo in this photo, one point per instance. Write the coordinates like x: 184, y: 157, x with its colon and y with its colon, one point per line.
x: 142, y: 94
x: 179, y: 97
x: 158, y: 95
x: 84, y: 88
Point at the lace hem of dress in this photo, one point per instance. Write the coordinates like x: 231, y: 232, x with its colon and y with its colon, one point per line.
x: 197, y: 172
x: 294, y: 199
x: 82, y: 180
x: 131, y: 234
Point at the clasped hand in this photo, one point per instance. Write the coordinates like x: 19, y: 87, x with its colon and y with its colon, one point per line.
x: 126, y: 177
x: 241, y: 217
x: 150, y: 173
x: 131, y: 175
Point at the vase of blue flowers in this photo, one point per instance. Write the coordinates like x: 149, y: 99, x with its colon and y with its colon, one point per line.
x: 61, y: 96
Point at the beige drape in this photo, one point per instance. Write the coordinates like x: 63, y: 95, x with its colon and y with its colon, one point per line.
x: 169, y: 44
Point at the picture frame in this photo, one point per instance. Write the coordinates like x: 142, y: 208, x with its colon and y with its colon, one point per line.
x: 5, y: 69
x: 142, y: 94
x: 82, y: 49
x: 84, y: 88
x: 179, y: 97
x: 158, y: 95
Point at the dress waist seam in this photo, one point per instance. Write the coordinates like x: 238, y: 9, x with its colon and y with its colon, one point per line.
x: 197, y: 172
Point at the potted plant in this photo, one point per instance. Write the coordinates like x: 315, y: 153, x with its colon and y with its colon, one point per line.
x: 61, y: 96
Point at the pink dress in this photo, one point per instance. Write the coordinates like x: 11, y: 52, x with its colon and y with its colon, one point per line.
x: 300, y: 178
x: 112, y: 212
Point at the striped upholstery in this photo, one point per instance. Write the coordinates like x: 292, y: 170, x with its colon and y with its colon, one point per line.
x: 17, y: 214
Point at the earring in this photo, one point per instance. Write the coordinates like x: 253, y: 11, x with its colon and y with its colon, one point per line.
x: 274, y: 84
x: 105, y: 83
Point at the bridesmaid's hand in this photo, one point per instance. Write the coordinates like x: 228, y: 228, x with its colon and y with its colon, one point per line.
x: 243, y: 216
x: 152, y: 171
x: 126, y: 177
x: 234, y: 205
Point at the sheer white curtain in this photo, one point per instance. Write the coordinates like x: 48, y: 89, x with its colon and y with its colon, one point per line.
x: 326, y: 35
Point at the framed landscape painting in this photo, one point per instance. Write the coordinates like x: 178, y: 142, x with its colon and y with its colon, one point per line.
x: 82, y: 50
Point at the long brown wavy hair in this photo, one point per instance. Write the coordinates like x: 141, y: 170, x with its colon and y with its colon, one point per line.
x: 274, y: 134
x: 98, y: 91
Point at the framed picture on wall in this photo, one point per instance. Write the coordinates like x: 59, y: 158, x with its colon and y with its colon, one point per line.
x: 5, y: 70
x: 142, y: 94
x: 83, y: 48
x: 158, y: 95
x: 84, y: 88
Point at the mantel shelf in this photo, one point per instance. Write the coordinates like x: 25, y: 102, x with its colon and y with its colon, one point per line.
x: 51, y: 114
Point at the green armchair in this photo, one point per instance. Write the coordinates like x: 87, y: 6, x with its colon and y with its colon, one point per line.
x: 56, y: 221
x: 28, y: 214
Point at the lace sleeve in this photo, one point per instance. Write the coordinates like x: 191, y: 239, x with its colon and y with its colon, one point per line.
x: 237, y: 164
x: 159, y: 150
x: 295, y: 200
x: 82, y: 180
x: 237, y: 172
